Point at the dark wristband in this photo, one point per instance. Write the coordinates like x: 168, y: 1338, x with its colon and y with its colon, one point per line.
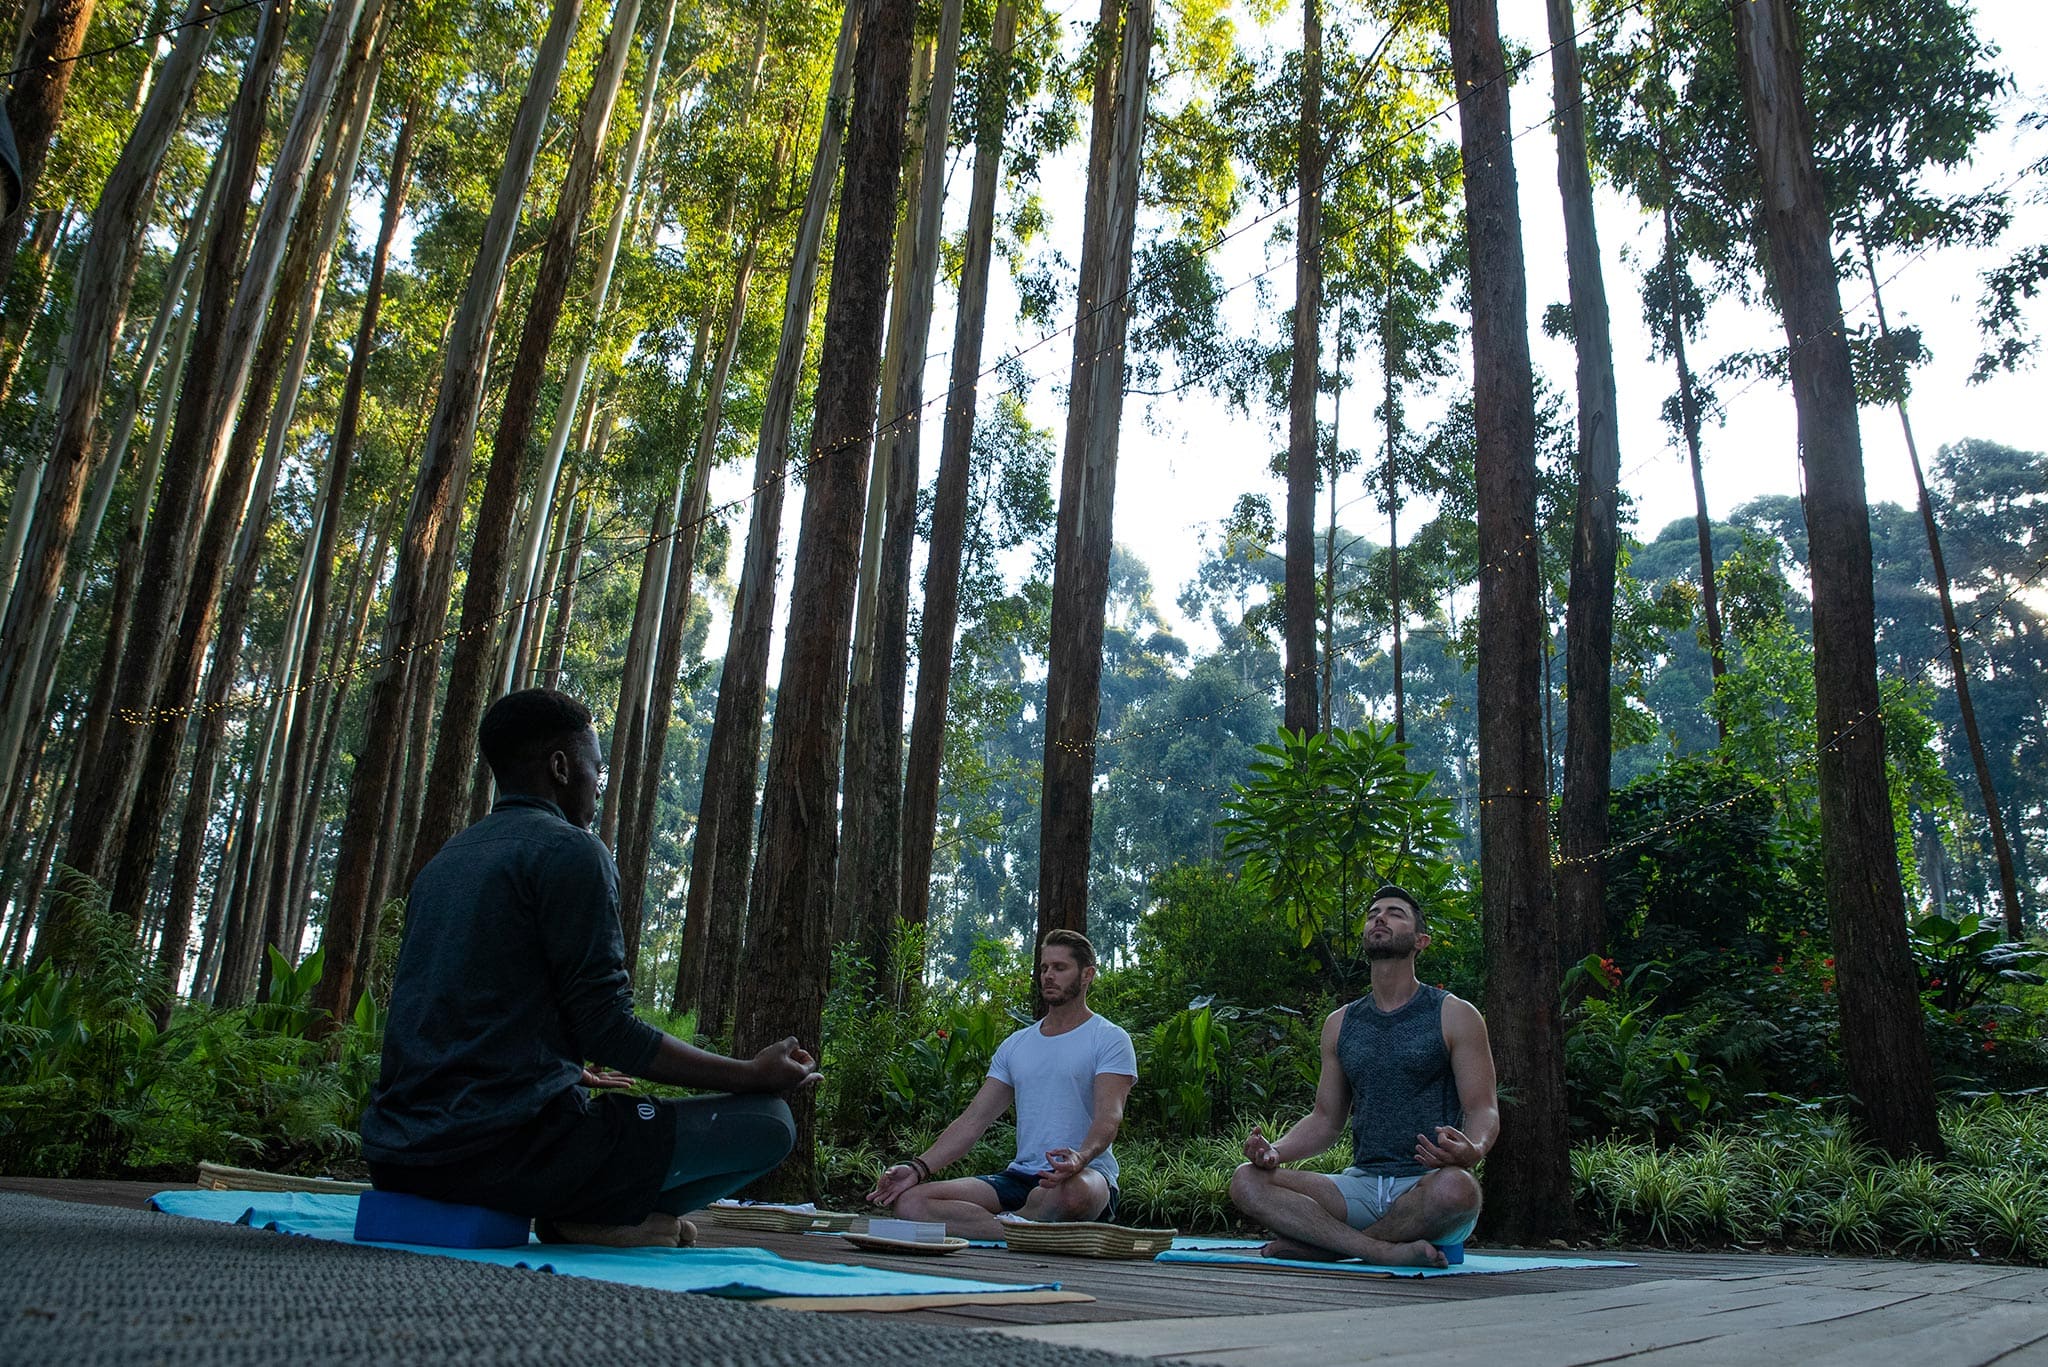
x: 924, y: 1172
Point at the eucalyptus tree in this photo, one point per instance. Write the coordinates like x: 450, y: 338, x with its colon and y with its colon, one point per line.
x: 868, y: 898
x: 209, y: 466
x: 529, y: 608
x: 108, y: 266
x: 786, y: 926
x: 1589, y: 659
x: 991, y: 100
x: 301, y: 284
x: 471, y: 673
x: 1082, y: 545
x: 1884, y: 1044
x: 300, y: 790
x: 1529, y: 1192
x: 707, y: 964
x: 418, y: 599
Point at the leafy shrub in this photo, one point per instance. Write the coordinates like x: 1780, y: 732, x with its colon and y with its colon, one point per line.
x: 1797, y: 1177
x: 89, y: 1086
x: 1209, y: 933
x: 1326, y: 819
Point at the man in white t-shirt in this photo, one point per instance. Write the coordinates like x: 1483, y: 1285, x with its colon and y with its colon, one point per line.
x: 1069, y: 1075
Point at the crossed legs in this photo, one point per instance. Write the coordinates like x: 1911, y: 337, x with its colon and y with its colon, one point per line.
x: 969, y: 1206
x: 1306, y: 1211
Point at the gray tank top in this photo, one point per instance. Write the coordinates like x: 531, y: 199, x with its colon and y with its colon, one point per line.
x: 1401, y: 1081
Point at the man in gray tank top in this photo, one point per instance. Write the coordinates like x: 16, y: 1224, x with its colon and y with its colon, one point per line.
x: 1409, y: 1069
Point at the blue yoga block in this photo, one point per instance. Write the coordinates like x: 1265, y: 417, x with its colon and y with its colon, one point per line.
x: 390, y: 1217
x: 1453, y: 1253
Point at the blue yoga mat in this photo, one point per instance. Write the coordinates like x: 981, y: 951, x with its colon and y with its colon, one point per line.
x: 1218, y: 1251
x: 741, y: 1273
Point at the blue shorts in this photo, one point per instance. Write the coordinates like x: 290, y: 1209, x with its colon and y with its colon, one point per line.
x: 1014, y: 1186
x: 1369, y: 1196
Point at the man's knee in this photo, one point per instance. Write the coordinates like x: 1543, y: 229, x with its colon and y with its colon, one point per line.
x: 1454, y: 1191
x: 1248, y: 1183
x: 914, y: 1204
x: 773, y: 1127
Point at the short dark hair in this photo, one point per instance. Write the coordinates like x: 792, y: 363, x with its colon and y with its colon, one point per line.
x: 1073, y: 941
x: 1396, y: 890
x: 521, y: 727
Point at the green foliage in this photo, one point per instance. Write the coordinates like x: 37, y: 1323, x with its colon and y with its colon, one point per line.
x: 89, y: 1085
x: 1209, y: 933
x: 1797, y: 1178
x: 1178, y: 1066
x: 1325, y: 820
x: 1631, y: 1071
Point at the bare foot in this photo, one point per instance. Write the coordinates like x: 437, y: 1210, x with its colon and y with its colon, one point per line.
x: 1290, y: 1248
x: 1418, y: 1253
x: 656, y: 1231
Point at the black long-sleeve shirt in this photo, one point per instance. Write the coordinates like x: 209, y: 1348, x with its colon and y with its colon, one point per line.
x: 511, y: 974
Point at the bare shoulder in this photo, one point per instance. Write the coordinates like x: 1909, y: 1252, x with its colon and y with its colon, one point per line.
x: 1462, y: 1020
x: 1334, y: 1022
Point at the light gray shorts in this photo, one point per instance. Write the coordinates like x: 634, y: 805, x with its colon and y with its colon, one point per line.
x: 1368, y: 1196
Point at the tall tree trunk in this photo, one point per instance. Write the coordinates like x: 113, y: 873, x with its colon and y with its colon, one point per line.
x: 1589, y: 608
x: 1689, y: 423
x: 637, y: 831
x: 1884, y: 1044
x: 707, y: 965
x: 941, y: 618
x: 1959, y: 669
x: 328, y: 704
x: 570, y: 402
x: 856, y: 784
x: 35, y: 105
x: 412, y: 626
x: 540, y: 591
x: 51, y: 630
x: 471, y: 676
x: 106, y: 277
x: 629, y: 720
x: 1304, y: 384
x: 1529, y: 1179
x: 1088, y: 475
x: 557, y: 642
x: 870, y: 891
x: 99, y: 816
x: 785, y: 926
x: 201, y: 451
x: 301, y: 283
x: 287, y: 848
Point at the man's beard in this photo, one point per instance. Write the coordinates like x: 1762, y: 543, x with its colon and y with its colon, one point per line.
x: 1390, y: 949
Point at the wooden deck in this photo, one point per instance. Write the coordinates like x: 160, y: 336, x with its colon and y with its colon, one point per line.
x: 1671, y: 1308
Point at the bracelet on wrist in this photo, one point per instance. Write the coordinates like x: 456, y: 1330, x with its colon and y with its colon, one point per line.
x: 924, y: 1172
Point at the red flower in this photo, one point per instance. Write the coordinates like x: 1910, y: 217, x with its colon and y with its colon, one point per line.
x: 1934, y: 982
x: 1827, y: 984
x: 1828, y: 962
x: 1989, y: 1046
x: 1777, y: 968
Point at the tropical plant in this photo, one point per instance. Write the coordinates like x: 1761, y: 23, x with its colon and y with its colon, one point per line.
x: 1327, y: 818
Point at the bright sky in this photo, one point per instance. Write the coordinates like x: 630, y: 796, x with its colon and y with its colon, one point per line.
x: 1185, y: 461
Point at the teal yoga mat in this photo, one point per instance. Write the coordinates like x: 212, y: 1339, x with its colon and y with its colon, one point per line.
x: 741, y: 1273
x: 1231, y: 1251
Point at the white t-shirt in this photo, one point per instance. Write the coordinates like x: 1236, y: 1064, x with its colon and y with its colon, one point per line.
x: 1054, y: 1079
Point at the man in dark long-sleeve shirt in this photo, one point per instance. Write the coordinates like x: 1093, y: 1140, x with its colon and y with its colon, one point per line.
x: 512, y: 975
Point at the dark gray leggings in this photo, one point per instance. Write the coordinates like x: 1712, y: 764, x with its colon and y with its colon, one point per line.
x: 722, y: 1144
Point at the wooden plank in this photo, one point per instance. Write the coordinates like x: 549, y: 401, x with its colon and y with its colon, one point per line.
x: 1568, y: 1328
x: 1932, y: 1328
